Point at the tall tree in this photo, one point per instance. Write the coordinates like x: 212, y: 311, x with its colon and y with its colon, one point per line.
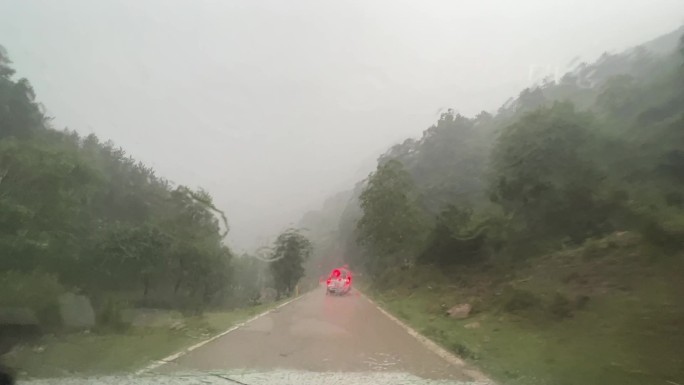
x: 85, y: 213
x: 290, y: 251
x: 544, y: 175
x: 391, y: 227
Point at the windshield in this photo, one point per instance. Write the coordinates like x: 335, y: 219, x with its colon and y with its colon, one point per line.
x: 364, y: 191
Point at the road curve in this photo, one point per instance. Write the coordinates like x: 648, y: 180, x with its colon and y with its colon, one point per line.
x: 319, y: 333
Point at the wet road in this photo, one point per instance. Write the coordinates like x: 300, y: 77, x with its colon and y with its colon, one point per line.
x: 319, y: 333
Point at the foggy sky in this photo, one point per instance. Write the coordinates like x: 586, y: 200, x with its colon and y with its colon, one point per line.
x: 273, y: 105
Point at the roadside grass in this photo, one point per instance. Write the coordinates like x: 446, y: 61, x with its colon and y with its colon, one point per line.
x: 615, y: 318
x: 110, y: 352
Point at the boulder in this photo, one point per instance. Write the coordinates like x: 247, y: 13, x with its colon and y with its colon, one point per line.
x: 460, y: 311
x: 76, y: 311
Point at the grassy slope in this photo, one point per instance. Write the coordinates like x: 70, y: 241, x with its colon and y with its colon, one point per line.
x: 110, y: 352
x: 608, y: 313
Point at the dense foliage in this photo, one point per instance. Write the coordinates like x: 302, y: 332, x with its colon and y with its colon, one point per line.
x: 290, y: 251
x: 559, y: 219
x: 601, y: 150
x: 80, y: 215
x: 391, y: 225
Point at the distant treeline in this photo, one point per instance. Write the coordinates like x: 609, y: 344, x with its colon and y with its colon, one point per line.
x: 600, y: 150
x: 80, y: 215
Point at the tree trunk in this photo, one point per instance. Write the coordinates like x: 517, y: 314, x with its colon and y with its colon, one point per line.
x: 177, y: 285
x: 146, y: 286
x: 205, y: 295
x: 179, y: 278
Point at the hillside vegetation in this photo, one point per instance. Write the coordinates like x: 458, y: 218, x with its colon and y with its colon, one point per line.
x: 560, y: 219
x: 93, y: 240
x: 79, y: 216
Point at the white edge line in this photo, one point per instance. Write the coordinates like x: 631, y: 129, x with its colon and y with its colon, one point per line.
x: 434, y: 347
x: 157, y: 363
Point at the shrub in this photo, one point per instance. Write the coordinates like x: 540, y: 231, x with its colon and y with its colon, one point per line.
x: 36, y: 291
x: 110, y: 314
x: 517, y: 300
x: 463, y: 351
x: 561, y: 306
x: 581, y: 301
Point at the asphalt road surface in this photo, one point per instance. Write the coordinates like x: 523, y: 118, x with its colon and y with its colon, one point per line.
x: 322, y: 334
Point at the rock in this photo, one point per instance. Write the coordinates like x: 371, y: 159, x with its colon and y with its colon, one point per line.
x: 460, y: 311
x: 472, y: 325
x: 76, y: 311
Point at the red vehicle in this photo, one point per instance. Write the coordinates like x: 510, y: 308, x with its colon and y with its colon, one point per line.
x: 339, y: 282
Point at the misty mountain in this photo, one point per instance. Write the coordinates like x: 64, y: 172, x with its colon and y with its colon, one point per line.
x: 450, y: 164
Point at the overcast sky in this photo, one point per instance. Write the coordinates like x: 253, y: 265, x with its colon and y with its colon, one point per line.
x: 274, y: 105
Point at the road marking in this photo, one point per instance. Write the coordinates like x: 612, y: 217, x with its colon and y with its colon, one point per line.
x: 175, y: 356
x: 434, y: 347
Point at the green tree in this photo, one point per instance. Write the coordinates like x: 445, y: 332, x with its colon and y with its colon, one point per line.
x: 20, y: 116
x: 95, y: 219
x: 544, y: 175
x: 290, y: 250
x: 448, y: 162
x: 5, y: 70
x: 391, y: 227
x: 250, y: 275
x: 137, y: 253
x: 457, y: 238
x: 618, y: 97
